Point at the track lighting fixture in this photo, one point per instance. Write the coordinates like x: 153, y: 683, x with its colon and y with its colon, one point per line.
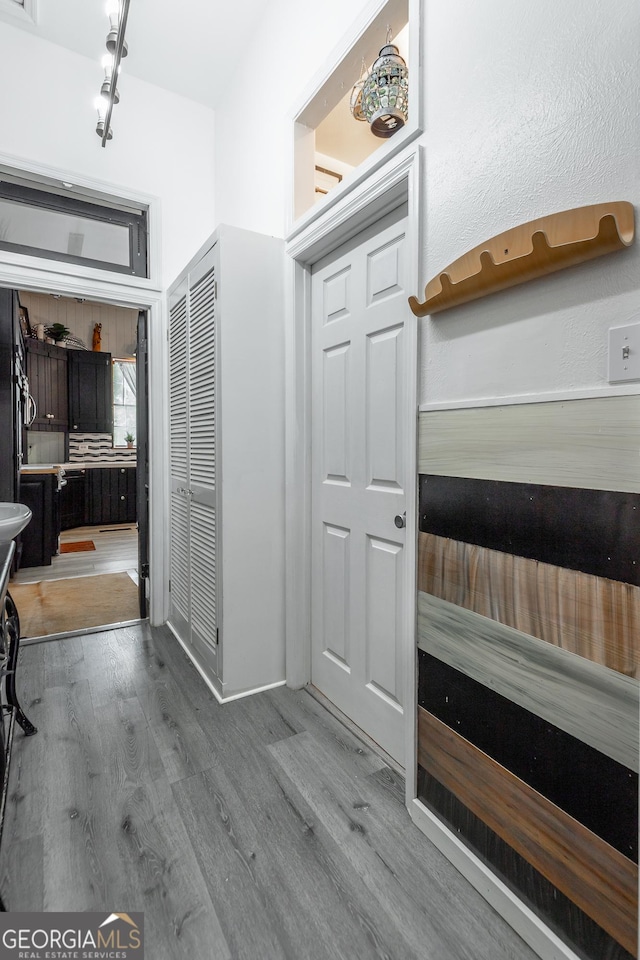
x: 117, y: 11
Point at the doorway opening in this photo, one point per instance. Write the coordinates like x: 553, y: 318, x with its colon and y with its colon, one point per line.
x: 83, y: 560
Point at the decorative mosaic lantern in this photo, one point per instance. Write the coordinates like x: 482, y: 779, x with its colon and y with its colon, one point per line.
x: 385, y: 93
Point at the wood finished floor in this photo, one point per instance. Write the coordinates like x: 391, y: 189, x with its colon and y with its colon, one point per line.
x: 116, y: 552
x: 255, y: 830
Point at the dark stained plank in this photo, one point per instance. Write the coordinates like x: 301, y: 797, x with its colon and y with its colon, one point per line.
x: 599, y: 879
x: 595, y: 531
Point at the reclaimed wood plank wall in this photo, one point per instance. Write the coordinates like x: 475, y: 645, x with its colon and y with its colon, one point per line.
x: 528, y: 632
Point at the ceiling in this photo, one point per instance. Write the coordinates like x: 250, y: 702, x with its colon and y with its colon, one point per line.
x: 175, y: 45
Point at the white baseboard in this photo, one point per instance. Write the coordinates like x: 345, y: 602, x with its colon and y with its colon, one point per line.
x: 527, y: 925
x: 220, y: 696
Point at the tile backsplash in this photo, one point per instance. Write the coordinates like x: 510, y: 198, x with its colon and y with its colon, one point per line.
x: 96, y: 446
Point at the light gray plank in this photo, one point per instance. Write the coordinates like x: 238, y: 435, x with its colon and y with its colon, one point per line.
x: 72, y: 830
x: 129, y: 751
x: 91, y: 788
x: 280, y: 863
x: 108, y: 676
x: 396, y: 869
x: 229, y: 849
x: 63, y: 662
x: 591, y: 443
x: 22, y: 877
x: 156, y: 870
x: 302, y: 711
x: 183, y: 746
x: 597, y: 705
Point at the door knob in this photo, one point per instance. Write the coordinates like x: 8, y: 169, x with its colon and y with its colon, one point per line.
x: 400, y: 521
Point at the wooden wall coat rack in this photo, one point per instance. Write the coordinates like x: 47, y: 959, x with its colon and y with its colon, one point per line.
x: 529, y: 251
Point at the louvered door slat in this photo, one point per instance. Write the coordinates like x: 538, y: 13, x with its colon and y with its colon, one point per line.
x: 203, y: 573
x: 180, y: 565
x: 178, y: 389
x: 202, y: 382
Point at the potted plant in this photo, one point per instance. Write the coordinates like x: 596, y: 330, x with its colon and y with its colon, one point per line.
x: 129, y: 437
x: 57, y: 332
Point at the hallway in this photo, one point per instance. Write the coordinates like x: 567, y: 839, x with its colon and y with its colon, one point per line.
x: 259, y: 830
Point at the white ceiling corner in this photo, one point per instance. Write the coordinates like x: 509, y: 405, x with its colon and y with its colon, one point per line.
x: 190, y: 47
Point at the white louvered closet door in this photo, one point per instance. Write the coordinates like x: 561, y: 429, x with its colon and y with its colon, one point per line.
x: 202, y: 456
x: 179, y: 520
x: 192, y: 368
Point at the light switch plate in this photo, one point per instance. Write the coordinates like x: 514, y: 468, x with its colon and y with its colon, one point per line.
x: 624, y: 353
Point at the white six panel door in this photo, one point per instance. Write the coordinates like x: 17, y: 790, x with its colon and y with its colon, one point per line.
x: 359, y: 307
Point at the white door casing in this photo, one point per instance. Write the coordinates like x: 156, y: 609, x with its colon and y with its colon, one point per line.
x: 359, y: 479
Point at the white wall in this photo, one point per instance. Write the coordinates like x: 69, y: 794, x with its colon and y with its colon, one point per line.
x: 531, y: 109
x: 253, y: 142
x: 163, y: 144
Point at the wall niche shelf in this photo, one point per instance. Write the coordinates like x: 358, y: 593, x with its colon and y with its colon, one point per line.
x: 528, y: 251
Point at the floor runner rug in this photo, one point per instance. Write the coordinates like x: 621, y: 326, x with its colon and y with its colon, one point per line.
x: 58, y: 606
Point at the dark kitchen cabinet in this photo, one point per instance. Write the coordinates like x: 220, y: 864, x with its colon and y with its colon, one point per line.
x: 39, y: 491
x: 47, y: 373
x: 73, y: 500
x: 90, y: 392
x: 111, y: 495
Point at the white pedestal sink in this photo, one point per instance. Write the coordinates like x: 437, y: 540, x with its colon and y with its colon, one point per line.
x: 13, y: 518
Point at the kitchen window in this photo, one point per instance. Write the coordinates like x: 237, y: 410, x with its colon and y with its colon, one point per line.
x: 124, y: 401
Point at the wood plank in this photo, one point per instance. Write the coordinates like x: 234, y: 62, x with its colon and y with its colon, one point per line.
x: 590, y: 702
x: 394, y: 865
x: 183, y: 746
x: 152, y: 865
x: 75, y: 844
x: 231, y: 853
x: 590, y: 443
x: 22, y: 877
x: 106, y: 672
x: 594, y: 617
x: 91, y: 787
x: 596, y: 877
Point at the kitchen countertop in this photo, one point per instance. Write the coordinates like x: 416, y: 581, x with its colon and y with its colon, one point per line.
x: 80, y: 465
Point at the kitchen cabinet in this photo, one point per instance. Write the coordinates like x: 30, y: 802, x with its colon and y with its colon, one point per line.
x: 47, y: 373
x: 111, y: 495
x: 226, y: 365
x: 39, y: 539
x: 90, y: 392
x: 73, y: 500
